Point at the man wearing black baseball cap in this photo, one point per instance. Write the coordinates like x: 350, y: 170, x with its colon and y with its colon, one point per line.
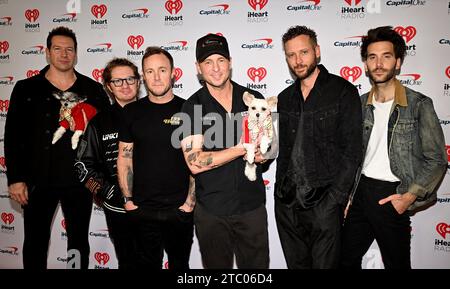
x: 230, y: 216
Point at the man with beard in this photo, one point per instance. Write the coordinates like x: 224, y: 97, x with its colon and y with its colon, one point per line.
x: 405, y: 157
x: 320, y: 151
x: 158, y: 193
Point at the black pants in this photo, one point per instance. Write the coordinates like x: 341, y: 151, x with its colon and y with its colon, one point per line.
x: 310, y: 238
x: 368, y: 221
x: 222, y: 237
x: 76, y: 204
x: 123, y: 235
x: 158, y: 230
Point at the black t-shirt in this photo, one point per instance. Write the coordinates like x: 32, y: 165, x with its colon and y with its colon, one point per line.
x: 225, y: 190
x: 160, y: 174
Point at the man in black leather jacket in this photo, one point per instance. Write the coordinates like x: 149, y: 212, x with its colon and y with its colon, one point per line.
x: 320, y: 150
x: 97, y: 156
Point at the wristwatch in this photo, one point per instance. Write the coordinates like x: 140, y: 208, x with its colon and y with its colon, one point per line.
x: 126, y: 199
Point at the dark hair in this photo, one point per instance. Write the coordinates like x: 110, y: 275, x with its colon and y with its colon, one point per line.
x: 116, y: 62
x: 295, y: 31
x: 61, y: 31
x: 152, y: 50
x: 384, y: 33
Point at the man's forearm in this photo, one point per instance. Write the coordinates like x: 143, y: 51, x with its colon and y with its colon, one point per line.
x: 125, y: 169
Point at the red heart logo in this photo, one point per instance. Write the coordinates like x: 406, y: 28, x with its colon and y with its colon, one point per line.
x: 254, y: 73
x: 178, y: 73
x: 172, y: 5
x: 4, y: 105
x: 408, y: 32
x: 349, y: 2
x: 99, y: 10
x: 4, y: 45
x: 166, y: 265
x: 2, y: 162
x: 32, y: 15
x: 447, y: 72
x: 31, y: 73
x: 443, y: 229
x: 63, y: 223
x: 7, y: 218
x: 448, y: 152
x: 97, y: 74
x: 355, y: 72
x: 101, y: 257
x: 254, y: 3
x: 266, y: 182
x: 135, y: 41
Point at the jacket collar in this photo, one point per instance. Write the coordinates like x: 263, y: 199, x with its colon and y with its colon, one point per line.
x: 399, y: 97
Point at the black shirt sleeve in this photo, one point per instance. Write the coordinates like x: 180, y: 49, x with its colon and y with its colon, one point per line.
x: 125, y: 133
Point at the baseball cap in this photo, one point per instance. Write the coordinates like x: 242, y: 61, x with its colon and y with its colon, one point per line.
x: 211, y: 44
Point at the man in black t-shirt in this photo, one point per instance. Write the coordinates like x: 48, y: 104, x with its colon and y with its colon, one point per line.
x: 153, y: 176
x: 230, y: 215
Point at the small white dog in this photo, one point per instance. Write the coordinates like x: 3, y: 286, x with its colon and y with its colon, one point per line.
x: 257, y: 129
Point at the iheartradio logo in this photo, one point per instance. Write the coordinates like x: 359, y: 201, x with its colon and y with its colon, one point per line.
x: 407, y: 33
x: 443, y: 229
x: 173, y: 6
x: 31, y: 73
x: 349, y: 2
x: 135, y: 41
x: 447, y: 72
x: 178, y: 73
x: 4, y: 45
x: 255, y: 3
x: 63, y: 223
x: 32, y: 15
x: 97, y: 74
x: 4, y: 105
x: 2, y: 162
x: 254, y: 73
x: 354, y: 72
x: 266, y: 182
x: 7, y: 218
x: 99, y: 10
x: 101, y: 258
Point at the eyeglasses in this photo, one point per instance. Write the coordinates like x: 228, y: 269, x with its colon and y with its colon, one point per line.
x: 118, y: 82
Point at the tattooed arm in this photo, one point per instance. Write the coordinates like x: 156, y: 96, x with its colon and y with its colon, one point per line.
x: 125, y: 172
x: 199, y: 161
x: 189, y: 204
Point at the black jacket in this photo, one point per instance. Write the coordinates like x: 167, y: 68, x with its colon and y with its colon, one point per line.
x: 332, y: 134
x: 97, y: 156
x: 32, y: 119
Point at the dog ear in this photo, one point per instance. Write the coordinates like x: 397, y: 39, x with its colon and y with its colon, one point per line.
x: 272, y: 101
x: 248, y: 98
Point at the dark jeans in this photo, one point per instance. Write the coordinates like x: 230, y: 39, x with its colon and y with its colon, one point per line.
x: 222, y: 237
x: 76, y: 204
x: 310, y: 238
x: 368, y: 221
x: 123, y: 235
x: 158, y: 230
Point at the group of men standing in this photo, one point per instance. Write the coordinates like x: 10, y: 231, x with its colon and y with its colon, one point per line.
x: 367, y: 160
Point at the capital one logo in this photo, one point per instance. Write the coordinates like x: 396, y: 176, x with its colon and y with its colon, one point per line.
x: 32, y: 15
x: 407, y: 33
x: 99, y: 10
x: 135, y: 41
x: 255, y: 73
x: 256, y: 3
x: 443, y: 229
x: 178, y: 73
x: 447, y: 72
x: 4, y: 45
x: 31, y: 73
x: 173, y: 6
x: 354, y: 72
x: 7, y: 218
x: 349, y: 2
x: 97, y: 74
x: 8, y: 19
x: 4, y: 105
x: 101, y: 258
x: 2, y: 162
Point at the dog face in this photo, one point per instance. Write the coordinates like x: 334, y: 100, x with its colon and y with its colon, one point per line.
x: 68, y: 99
x: 259, y: 109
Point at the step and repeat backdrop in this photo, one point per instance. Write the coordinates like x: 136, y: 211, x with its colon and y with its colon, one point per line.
x: 113, y: 28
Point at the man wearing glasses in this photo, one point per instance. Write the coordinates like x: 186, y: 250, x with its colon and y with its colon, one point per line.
x: 97, y: 157
x: 158, y: 193
x: 40, y: 175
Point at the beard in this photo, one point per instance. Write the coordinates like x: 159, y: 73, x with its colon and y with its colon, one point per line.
x: 390, y: 73
x: 158, y: 93
x: 310, y: 69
